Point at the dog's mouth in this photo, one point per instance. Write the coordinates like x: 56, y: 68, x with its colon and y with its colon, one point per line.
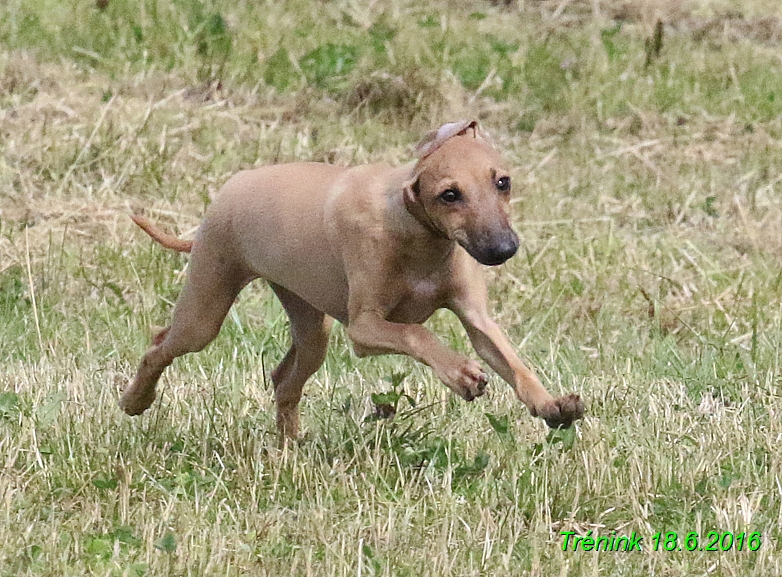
x: 492, y: 251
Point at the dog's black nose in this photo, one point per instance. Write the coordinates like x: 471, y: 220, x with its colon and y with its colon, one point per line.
x: 493, y: 250
x: 502, y: 251
x: 498, y: 251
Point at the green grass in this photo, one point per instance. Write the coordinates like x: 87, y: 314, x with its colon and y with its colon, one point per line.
x: 648, y: 202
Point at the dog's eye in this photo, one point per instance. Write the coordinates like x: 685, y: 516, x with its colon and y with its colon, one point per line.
x: 503, y: 184
x: 451, y: 195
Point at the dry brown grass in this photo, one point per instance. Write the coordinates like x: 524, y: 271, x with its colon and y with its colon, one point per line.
x: 648, y: 201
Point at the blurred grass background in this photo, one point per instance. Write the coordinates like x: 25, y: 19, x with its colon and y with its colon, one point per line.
x: 645, y: 141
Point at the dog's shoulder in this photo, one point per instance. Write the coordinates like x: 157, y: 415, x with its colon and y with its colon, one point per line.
x: 362, y: 196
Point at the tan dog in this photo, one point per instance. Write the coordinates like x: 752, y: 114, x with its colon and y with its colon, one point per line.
x: 376, y: 247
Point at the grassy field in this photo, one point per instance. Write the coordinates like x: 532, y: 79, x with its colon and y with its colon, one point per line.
x: 648, y: 177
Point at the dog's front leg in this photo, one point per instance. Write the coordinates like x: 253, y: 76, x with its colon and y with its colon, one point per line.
x: 374, y: 335
x: 493, y: 346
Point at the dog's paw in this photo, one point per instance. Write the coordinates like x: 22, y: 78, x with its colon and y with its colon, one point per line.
x: 134, y: 403
x: 467, y: 379
x: 560, y: 413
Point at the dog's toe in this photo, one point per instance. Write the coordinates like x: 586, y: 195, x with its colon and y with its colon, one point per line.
x: 467, y: 379
x: 474, y: 382
x: 562, y: 411
x: 134, y: 404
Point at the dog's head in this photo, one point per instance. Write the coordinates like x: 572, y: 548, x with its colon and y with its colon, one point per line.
x: 460, y: 190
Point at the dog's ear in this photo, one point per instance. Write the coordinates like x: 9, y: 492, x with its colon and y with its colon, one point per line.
x: 435, y: 139
x: 411, y: 190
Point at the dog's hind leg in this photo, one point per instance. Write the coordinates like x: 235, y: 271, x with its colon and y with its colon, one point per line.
x: 209, y: 292
x: 310, y: 330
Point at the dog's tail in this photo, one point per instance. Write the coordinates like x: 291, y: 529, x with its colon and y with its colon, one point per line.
x: 161, y: 237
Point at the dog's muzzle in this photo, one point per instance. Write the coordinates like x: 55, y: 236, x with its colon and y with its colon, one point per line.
x: 495, y: 249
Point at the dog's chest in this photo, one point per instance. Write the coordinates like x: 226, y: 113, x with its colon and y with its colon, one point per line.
x: 421, y: 297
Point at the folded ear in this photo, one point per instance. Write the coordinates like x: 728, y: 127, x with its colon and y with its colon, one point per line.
x: 435, y: 139
x: 411, y: 191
